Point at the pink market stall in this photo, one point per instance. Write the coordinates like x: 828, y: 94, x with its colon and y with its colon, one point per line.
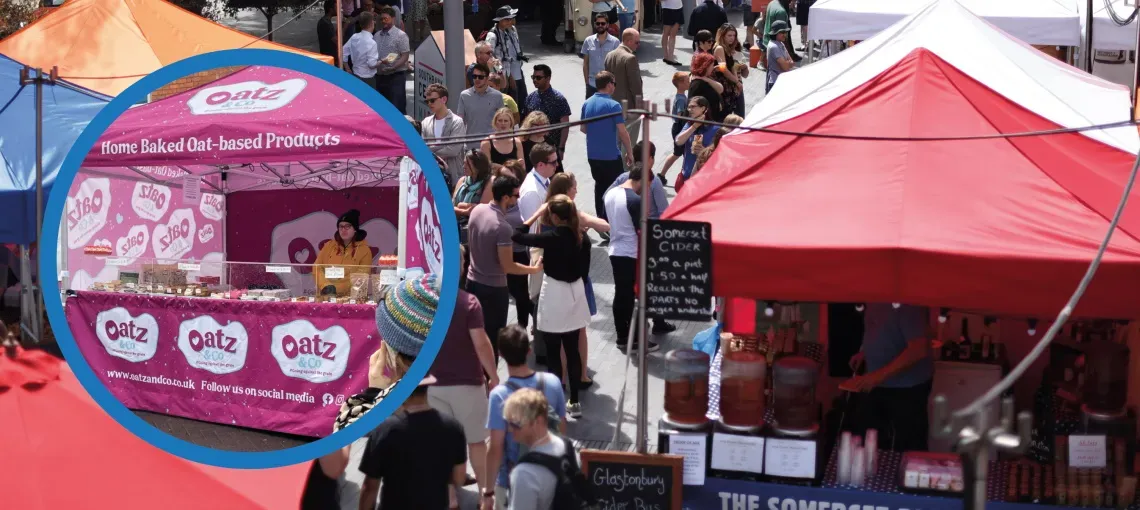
x: 204, y: 280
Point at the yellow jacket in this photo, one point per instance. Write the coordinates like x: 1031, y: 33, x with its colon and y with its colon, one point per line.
x: 356, y: 258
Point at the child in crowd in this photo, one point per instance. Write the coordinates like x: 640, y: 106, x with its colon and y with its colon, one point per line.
x: 680, y: 108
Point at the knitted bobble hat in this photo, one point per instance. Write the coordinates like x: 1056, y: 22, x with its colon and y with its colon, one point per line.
x: 404, y: 318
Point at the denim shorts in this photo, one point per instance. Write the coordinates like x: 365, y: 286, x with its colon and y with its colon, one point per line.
x: 626, y: 20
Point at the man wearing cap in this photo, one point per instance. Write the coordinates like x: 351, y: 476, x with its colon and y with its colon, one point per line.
x: 777, y: 53
x: 504, y: 41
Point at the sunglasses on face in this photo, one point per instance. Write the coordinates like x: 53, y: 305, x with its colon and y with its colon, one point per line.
x: 431, y: 100
x: 479, y: 76
x: 600, y: 23
x: 537, y: 77
x: 552, y: 163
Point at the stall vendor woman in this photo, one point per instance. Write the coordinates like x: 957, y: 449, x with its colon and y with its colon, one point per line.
x: 346, y: 249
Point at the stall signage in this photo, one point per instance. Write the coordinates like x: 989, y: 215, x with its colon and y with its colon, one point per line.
x: 279, y: 270
x: 191, y: 189
x: 1087, y: 452
x: 212, y: 347
x: 305, y: 352
x: 87, y: 211
x: 743, y: 454
x: 679, y: 268
x: 133, y: 338
x: 245, y: 97
x: 389, y: 277
x: 334, y: 272
x: 150, y: 201
x: 724, y: 494
x: 189, y: 266
x: 634, y: 481
x: 791, y: 458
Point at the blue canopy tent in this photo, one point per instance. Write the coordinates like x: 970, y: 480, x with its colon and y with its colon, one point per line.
x: 40, y: 118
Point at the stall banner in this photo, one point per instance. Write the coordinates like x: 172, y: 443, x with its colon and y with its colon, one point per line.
x: 291, y: 226
x: 281, y: 367
x: 724, y: 494
x: 138, y: 220
x: 425, y: 237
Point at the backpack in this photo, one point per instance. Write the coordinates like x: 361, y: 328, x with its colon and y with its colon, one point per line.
x: 552, y: 417
x: 573, y: 492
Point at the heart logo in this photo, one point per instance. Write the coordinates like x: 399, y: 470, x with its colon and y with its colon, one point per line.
x: 301, y: 257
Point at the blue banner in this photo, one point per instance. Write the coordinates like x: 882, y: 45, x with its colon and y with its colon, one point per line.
x: 721, y: 494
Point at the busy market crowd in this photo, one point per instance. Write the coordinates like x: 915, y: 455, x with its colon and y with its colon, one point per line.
x: 524, y: 240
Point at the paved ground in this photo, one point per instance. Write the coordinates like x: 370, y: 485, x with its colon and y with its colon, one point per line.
x: 606, y: 363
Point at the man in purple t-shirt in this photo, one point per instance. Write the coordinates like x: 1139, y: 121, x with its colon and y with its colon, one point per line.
x: 464, y: 370
x: 492, y: 257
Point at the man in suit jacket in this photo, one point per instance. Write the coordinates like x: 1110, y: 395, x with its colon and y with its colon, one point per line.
x: 443, y: 123
x: 622, y: 63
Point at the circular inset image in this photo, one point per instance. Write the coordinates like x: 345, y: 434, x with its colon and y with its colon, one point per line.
x: 256, y: 251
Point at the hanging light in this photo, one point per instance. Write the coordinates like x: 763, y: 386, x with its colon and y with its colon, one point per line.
x: 768, y: 310
x: 943, y: 315
x: 859, y: 308
x: 896, y: 305
x: 1032, y: 327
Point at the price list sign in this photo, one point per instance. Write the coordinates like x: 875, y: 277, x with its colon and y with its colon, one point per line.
x: 679, y: 267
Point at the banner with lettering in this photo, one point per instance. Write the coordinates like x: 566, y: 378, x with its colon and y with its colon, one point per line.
x: 281, y: 367
x: 723, y: 494
x: 137, y: 220
x: 425, y: 237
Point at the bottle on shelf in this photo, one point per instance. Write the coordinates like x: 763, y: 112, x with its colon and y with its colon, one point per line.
x: 964, y: 344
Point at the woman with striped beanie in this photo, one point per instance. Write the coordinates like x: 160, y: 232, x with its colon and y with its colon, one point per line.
x: 403, y: 319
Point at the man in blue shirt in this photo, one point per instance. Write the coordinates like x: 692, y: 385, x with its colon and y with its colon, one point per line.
x: 504, y: 452
x: 897, y: 380
x: 602, y: 138
x: 594, y: 51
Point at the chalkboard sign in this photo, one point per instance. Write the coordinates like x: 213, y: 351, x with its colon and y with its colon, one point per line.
x: 629, y: 481
x: 679, y: 267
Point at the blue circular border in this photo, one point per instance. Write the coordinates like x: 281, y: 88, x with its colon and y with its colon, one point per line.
x: 53, y: 215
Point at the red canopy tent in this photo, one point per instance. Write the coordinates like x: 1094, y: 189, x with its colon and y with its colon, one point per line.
x: 62, y: 451
x: 999, y: 225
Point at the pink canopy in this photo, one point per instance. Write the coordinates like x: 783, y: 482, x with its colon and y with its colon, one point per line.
x: 274, y: 126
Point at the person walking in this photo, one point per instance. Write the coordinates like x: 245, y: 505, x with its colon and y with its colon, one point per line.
x: 504, y: 451
x: 680, y: 109
x: 393, y: 48
x: 535, y: 480
x: 472, y: 189
x: 504, y: 41
x: 490, y: 246
x: 478, y: 104
x: 567, y: 184
x: 623, y: 211
x: 672, y: 17
x: 533, y: 120
x: 594, y: 51
x: 562, y: 307
x: 551, y: 102
x: 443, y: 123
x: 779, y: 61
x: 693, y: 131
x: 707, y: 16
x: 465, y: 371
x: 623, y: 65
x: 360, y: 51
x: 502, y: 146
x: 603, y: 137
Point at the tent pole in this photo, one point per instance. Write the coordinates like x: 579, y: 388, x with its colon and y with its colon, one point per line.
x: 339, y: 35
x: 1087, y: 56
x: 454, y: 50
x: 642, y: 298
x: 1136, y: 71
x: 402, y: 220
x: 37, y: 278
x: 225, y: 215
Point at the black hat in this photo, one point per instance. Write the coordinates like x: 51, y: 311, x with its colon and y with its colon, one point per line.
x: 351, y: 217
x: 504, y: 12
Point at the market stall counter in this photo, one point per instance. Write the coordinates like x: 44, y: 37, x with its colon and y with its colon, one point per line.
x: 276, y: 358
x: 764, y: 467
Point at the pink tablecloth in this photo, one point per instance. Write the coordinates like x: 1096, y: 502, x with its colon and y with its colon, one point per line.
x: 283, y: 367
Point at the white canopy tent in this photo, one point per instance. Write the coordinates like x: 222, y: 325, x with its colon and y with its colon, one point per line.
x: 1054, y: 90
x: 1037, y: 22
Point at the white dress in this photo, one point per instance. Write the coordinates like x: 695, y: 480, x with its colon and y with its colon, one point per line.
x: 562, y: 307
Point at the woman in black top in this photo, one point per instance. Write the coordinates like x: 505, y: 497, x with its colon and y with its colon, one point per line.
x: 562, y: 307
x: 501, y: 147
x: 533, y: 120
x: 703, y: 84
